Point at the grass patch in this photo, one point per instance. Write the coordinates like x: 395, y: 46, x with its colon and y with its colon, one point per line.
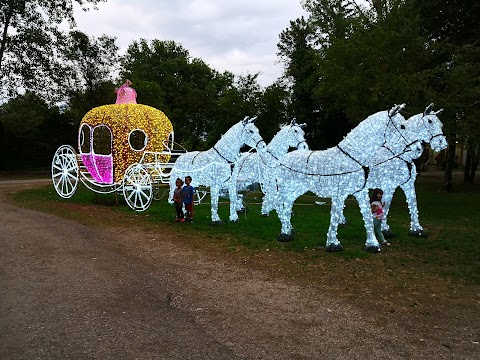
x: 450, y: 251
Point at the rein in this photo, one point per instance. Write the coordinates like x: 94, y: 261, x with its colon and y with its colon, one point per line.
x: 223, y: 157
x: 429, y: 132
x: 366, y: 169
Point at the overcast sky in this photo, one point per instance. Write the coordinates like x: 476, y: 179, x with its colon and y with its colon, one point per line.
x: 236, y: 35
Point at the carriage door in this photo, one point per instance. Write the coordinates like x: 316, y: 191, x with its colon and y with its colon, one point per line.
x: 85, y: 147
x: 102, y: 153
x: 95, y: 149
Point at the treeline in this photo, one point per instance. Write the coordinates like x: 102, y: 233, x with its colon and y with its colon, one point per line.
x: 342, y: 63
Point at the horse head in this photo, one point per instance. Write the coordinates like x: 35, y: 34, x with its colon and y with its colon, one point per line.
x: 250, y: 135
x: 295, y: 136
x: 397, y: 138
x: 429, y: 128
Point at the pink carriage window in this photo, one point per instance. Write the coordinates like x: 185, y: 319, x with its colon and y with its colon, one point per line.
x: 102, y: 140
x: 84, y: 138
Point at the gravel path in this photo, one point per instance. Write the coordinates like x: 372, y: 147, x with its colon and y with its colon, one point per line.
x: 72, y: 291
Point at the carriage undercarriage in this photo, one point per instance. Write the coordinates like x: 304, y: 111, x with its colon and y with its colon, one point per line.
x: 142, y: 182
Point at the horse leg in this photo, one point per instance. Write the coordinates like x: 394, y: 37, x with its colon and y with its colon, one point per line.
x: 409, y: 189
x: 342, y: 220
x: 284, y: 211
x: 239, y: 206
x: 233, y: 195
x: 371, y: 245
x: 332, y: 243
x: 215, y: 192
x: 171, y: 183
x: 268, y: 197
x: 387, y: 199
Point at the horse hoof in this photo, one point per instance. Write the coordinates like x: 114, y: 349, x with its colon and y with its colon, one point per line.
x: 265, y: 215
x: 373, y: 249
x: 216, y: 223
x: 234, y: 221
x: 241, y: 211
x: 284, y: 238
x: 419, y: 233
x: 388, y: 234
x: 334, y: 247
x: 343, y: 225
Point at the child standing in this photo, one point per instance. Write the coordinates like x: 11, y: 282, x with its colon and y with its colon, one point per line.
x: 377, y: 212
x: 188, y: 199
x: 177, y: 200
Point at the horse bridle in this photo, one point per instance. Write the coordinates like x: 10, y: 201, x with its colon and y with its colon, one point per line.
x: 428, y: 130
x: 407, y: 143
x: 243, y: 130
x: 296, y: 137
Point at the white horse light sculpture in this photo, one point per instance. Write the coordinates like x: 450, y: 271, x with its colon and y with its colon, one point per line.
x: 213, y: 168
x: 255, y: 167
x: 388, y: 175
x: 339, y: 172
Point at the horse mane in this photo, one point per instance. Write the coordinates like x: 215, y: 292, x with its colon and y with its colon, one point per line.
x: 277, y: 143
x: 230, y: 143
x: 369, y: 134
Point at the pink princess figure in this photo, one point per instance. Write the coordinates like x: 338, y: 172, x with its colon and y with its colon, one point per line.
x: 126, y: 94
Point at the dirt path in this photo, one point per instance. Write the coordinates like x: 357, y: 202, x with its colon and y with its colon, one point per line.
x: 73, y: 291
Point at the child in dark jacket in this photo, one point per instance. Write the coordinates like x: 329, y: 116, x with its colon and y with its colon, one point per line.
x: 188, y: 199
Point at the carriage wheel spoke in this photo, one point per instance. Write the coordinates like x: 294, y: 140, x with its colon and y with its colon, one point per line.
x: 65, y: 171
x: 130, y: 196
x: 137, y: 187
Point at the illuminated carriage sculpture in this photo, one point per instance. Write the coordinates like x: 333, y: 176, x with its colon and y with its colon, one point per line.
x: 124, y: 147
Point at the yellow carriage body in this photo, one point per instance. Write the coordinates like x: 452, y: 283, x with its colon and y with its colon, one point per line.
x: 113, y: 137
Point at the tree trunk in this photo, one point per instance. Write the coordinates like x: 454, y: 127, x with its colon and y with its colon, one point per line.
x: 470, y: 168
x: 466, y: 170
x: 449, y: 164
x: 3, y: 41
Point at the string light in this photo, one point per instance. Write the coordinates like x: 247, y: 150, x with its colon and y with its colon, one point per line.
x: 341, y: 171
x: 388, y: 175
x: 213, y: 168
x: 123, y: 122
x: 254, y: 167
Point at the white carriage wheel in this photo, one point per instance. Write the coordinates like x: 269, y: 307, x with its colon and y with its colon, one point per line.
x: 65, y: 171
x: 137, y: 187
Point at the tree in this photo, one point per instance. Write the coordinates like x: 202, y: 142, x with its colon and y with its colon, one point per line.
x: 89, y: 65
x: 454, y: 52
x: 29, y: 42
x: 88, y: 61
x: 302, y: 72
x: 32, y: 131
x: 274, y: 110
x: 187, y: 90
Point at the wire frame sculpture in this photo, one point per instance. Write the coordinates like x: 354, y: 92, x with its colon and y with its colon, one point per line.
x: 389, y: 172
x: 256, y: 167
x: 213, y: 168
x: 341, y: 171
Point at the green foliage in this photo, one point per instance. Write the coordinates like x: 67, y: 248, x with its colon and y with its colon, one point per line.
x: 87, y: 61
x: 32, y: 131
x: 29, y: 42
x: 200, y: 102
x: 348, y: 61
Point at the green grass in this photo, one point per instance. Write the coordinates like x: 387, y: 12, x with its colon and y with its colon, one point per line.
x: 451, y: 250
